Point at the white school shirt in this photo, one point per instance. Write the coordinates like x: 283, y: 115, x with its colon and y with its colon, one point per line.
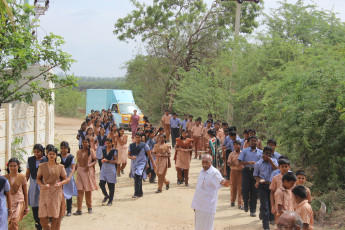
x: 206, y: 192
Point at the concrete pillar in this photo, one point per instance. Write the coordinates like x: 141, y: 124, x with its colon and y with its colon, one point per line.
x: 49, y: 126
x: 36, y: 104
x: 8, y: 108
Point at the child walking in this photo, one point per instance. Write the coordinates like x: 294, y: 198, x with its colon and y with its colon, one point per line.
x: 283, y: 196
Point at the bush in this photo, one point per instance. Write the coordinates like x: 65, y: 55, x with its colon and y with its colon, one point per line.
x: 68, y: 101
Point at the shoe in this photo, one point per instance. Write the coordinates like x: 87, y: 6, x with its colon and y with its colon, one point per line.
x: 123, y: 171
x: 186, y: 184
x: 245, y: 209
x: 119, y: 175
x: 109, y: 203
x: 272, y: 222
x: 252, y: 214
x: 141, y: 196
x: 89, y: 210
x: 68, y: 214
x: 195, y: 157
x: 144, y: 180
x: 167, y: 186
x: 105, y: 199
x: 260, y: 216
x: 240, y: 207
x: 179, y: 182
x: 78, y: 213
x: 199, y: 157
x: 134, y: 197
x: 158, y: 191
x: 232, y: 204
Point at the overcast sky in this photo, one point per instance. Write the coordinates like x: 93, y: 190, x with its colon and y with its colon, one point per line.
x: 87, y: 27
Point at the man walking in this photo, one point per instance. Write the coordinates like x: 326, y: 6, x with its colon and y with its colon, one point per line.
x: 206, y: 194
x: 175, y: 124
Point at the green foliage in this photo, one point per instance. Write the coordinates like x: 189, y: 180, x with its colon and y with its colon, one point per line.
x: 17, y: 151
x: 183, y: 33
x: 85, y: 83
x: 68, y: 101
x: 334, y: 201
x: 19, y: 50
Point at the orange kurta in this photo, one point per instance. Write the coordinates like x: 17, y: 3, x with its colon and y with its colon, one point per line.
x: 183, y: 157
x: 86, y: 180
x: 161, y: 162
x: 17, y: 195
x: 52, y: 202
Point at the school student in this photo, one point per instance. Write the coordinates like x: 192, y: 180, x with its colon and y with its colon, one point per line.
x: 166, y: 123
x: 245, y: 137
x: 151, y: 143
x: 228, y: 146
x: 262, y: 172
x: 31, y: 173
x: 137, y: 152
x: 184, y: 122
x: 283, y: 196
x: 183, y: 152
x: 121, y: 147
x: 51, y: 177
x: 277, y: 181
x: 19, y: 193
x: 197, y: 137
x: 301, y: 179
x: 108, y: 172
x: 215, y: 148
x: 113, y: 134
x: 236, y: 175
x: 205, y: 137
x: 161, y: 152
x: 81, y: 133
x: 248, y: 157
x: 189, y: 125
x: 273, y: 144
x: 175, y: 125
x: 69, y: 189
x: 303, y: 207
x: 86, y: 181
x: 5, y: 202
x: 100, y: 140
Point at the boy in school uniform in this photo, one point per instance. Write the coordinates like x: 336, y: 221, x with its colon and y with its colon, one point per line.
x: 245, y: 137
x: 166, y: 123
x: 283, y: 196
x: 301, y: 179
x: 248, y: 158
x: 262, y: 172
x: 189, y: 125
x: 236, y: 175
x: 303, y: 207
x: 277, y: 181
x: 228, y: 146
x: 273, y: 144
x: 197, y: 138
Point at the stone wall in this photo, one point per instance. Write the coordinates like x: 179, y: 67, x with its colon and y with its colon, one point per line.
x: 33, y: 123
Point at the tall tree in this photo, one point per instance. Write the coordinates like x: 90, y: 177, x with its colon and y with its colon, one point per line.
x: 19, y: 49
x: 183, y: 32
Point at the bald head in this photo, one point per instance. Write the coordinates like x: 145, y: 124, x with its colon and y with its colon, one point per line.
x: 207, y: 157
x: 290, y: 218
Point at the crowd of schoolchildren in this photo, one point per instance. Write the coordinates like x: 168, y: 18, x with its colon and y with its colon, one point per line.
x: 253, y: 170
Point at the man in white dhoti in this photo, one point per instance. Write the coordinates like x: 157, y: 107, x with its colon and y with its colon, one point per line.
x: 206, y: 194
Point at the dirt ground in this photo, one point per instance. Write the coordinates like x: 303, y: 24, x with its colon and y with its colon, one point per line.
x: 168, y: 210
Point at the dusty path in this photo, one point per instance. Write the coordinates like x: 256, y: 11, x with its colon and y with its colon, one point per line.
x: 167, y: 210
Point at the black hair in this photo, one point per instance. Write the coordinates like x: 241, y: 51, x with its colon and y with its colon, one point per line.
x: 190, y: 116
x: 183, y: 131
x: 88, y: 130
x: 118, y: 131
x: 213, y: 133
x: 232, y: 128
x: 88, y: 120
x: 289, y: 176
x: 174, y: 114
x: 236, y: 142
x: 232, y: 133
x: 252, y: 137
x: 209, y: 121
x: 13, y: 159
x: 49, y: 147
x: 252, y: 130
x: 167, y: 110
x: 160, y: 129
x: 113, y: 125
x: 225, y: 124
x: 150, y: 131
x: 109, y: 140
x: 283, y: 157
x: 300, y: 191
x: 209, y: 115
x: 217, y: 123
x: 53, y: 149
x: 246, y: 131
x: 272, y: 141
x: 88, y: 140
x: 267, y: 148
x: 65, y: 144
x: 283, y: 161
x: 92, y: 110
x: 40, y: 148
x: 139, y: 134
x: 146, y: 119
x: 301, y: 173
x: 146, y: 125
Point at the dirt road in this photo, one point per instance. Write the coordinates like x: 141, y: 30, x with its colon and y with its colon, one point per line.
x: 168, y: 210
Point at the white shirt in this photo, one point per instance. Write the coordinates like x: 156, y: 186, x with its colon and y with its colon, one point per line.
x: 206, y: 192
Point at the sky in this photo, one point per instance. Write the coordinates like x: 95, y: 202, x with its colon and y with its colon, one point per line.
x: 87, y: 27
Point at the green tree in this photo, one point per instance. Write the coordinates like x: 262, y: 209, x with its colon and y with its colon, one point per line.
x: 68, y: 101
x: 19, y: 50
x: 183, y: 33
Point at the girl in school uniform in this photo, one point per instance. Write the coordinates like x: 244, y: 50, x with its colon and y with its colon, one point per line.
x: 100, y: 140
x: 122, y: 151
x: 97, y: 127
x: 81, y: 133
x: 108, y: 172
x: 91, y: 135
x: 19, y: 193
x: 113, y: 134
x: 70, y: 189
x: 161, y: 151
x: 51, y: 177
x: 86, y: 180
x: 215, y: 148
x: 31, y: 173
x: 5, y: 196
x: 183, y: 149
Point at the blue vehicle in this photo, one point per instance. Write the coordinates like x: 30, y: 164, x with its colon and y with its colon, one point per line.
x: 121, y: 103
